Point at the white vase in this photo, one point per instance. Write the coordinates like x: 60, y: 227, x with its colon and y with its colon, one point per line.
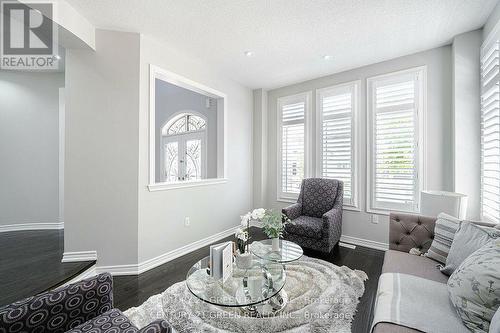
x: 275, y: 244
x: 243, y: 261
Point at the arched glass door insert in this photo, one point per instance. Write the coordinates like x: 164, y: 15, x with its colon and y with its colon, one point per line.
x: 183, y: 148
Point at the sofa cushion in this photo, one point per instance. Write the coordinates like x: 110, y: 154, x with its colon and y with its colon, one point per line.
x: 495, y: 323
x: 318, y: 196
x: 311, y: 227
x: 401, y: 262
x: 444, y: 232
x: 393, y: 328
x: 474, y: 287
x: 113, y: 321
x: 468, y: 239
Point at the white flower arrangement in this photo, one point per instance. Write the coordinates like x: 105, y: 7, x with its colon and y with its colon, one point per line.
x: 241, y: 234
x: 273, y: 225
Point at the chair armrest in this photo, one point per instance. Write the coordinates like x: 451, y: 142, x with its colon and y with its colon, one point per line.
x: 293, y: 211
x: 407, y: 231
x: 157, y: 326
x: 334, y: 215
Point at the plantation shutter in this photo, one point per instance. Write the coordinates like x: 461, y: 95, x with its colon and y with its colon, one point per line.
x: 395, y: 184
x: 292, y: 143
x: 336, y: 112
x: 490, y: 134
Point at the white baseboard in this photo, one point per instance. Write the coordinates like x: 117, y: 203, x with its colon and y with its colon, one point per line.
x: 364, y: 242
x: 349, y: 246
x: 86, y: 274
x: 32, y: 226
x: 166, y: 257
x: 79, y: 256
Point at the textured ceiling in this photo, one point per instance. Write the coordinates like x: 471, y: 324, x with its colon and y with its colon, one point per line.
x: 290, y: 37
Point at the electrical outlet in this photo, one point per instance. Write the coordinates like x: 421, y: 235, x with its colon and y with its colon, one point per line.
x: 374, y: 219
x: 187, y: 222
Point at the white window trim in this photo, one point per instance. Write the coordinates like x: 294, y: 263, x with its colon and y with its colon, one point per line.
x: 156, y: 72
x: 492, y: 38
x: 356, y: 141
x: 421, y: 138
x: 291, y: 197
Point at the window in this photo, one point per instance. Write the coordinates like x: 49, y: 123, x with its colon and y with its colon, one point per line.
x: 490, y: 133
x: 183, y: 149
x: 337, y: 109
x: 395, y: 110
x: 292, y: 158
x: 187, y: 132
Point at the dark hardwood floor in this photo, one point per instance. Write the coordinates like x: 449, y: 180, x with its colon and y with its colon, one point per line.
x: 30, y: 263
x: 132, y: 291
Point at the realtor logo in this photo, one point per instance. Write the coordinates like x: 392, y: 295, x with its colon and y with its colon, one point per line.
x: 28, y: 35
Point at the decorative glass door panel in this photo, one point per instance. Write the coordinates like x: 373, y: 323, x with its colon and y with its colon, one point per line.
x: 193, y: 159
x: 184, y: 157
x: 171, y: 159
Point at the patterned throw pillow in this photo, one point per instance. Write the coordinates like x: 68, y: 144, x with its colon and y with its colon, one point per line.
x: 468, y: 239
x: 444, y: 232
x: 474, y: 287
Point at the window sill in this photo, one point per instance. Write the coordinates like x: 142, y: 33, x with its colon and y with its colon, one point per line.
x: 185, y: 184
x: 387, y: 212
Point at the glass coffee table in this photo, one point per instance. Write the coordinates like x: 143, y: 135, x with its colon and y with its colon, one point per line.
x: 256, y: 291
x: 288, y: 251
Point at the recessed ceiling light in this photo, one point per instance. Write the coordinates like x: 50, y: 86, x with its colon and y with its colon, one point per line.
x: 327, y: 57
x: 248, y: 53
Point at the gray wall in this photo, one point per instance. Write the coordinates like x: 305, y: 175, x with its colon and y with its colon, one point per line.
x: 29, y: 147
x: 172, y: 99
x: 213, y: 208
x: 102, y: 102
x: 439, y: 136
x: 467, y: 118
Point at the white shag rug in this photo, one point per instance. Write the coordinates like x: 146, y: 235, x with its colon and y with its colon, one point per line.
x: 322, y: 298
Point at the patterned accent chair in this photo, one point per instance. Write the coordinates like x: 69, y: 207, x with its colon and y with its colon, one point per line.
x: 316, y: 218
x: 85, y: 306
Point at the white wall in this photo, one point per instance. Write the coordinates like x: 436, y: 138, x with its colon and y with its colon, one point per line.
x: 172, y: 99
x: 492, y: 21
x: 438, y: 154
x: 213, y: 208
x: 102, y: 103
x: 467, y: 118
x: 260, y: 147
x: 29, y: 147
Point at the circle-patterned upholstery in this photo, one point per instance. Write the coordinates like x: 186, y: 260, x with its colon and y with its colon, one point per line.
x: 318, y: 196
x: 113, y: 321
x: 59, y: 310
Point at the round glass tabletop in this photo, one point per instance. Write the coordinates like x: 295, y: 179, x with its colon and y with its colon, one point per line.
x: 288, y: 251
x: 245, y: 287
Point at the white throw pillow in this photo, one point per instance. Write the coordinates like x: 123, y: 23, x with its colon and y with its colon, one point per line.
x: 495, y: 323
x: 474, y: 287
x: 469, y: 238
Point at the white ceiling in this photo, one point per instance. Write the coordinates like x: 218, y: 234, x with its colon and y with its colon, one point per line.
x: 289, y: 37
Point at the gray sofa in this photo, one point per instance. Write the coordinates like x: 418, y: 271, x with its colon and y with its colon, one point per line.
x: 406, y: 232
